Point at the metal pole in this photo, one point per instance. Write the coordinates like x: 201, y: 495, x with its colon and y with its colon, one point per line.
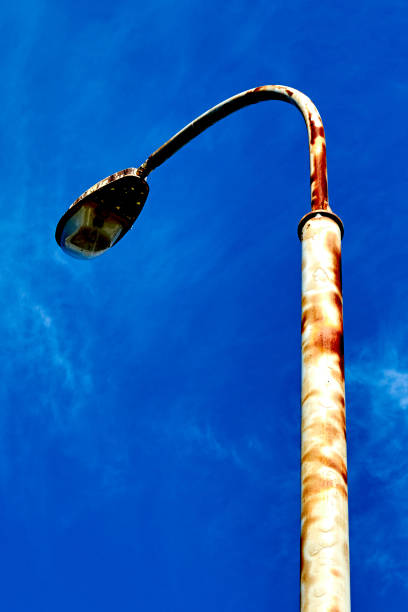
x: 324, y: 519
x: 324, y: 537
x: 325, y: 574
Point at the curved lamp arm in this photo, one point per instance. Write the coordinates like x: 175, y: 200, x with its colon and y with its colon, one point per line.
x: 103, y: 214
x: 317, y: 143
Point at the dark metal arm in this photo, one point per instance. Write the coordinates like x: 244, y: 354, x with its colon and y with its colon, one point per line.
x: 317, y: 143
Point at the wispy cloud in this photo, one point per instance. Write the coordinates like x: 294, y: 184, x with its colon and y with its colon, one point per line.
x: 378, y: 464
x: 385, y: 378
x: 395, y: 384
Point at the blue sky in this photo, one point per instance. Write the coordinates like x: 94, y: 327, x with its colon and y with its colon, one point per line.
x: 150, y: 421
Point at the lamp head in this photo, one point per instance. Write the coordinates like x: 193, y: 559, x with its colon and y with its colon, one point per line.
x: 102, y: 215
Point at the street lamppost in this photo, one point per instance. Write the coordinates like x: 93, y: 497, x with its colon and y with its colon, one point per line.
x: 101, y: 216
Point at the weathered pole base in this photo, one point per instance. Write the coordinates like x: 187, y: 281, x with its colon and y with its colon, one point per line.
x: 325, y: 574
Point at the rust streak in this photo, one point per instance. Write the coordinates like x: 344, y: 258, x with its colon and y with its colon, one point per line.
x: 314, y: 308
x: 335, y: 463
x: 309, y: 395
x: 326, y: 340
x: 315, y: 131
x: 324, y: 431
x: 315, y: 485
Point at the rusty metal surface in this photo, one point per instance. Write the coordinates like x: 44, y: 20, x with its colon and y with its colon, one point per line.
x: 323, y: 213
x: 317, y: 143
x: 109, y: 179
x: 324, y: 536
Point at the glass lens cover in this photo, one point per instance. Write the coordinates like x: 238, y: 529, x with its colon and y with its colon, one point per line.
x: 89, y: 232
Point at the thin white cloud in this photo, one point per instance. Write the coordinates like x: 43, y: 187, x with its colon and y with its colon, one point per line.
x: 377, y: 392
x: 396, y: 385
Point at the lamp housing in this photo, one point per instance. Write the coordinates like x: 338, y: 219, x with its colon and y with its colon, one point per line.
x: 102, y: 215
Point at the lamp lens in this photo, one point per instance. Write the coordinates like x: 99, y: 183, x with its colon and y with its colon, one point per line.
x: 89, y: 233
